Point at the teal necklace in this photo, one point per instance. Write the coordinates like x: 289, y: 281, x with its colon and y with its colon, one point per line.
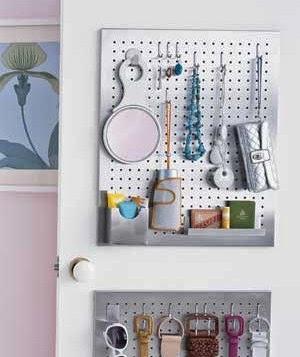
x: 193, y: 124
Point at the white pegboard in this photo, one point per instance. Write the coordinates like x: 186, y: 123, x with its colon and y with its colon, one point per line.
x: 239, y: 51
x: 156, y: 304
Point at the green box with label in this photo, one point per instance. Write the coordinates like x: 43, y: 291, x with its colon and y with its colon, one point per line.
x: 242, y: 214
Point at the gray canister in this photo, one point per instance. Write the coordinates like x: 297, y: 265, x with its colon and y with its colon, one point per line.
x: 166, y: 212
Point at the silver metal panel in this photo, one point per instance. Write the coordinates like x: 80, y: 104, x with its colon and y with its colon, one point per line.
x: 183, y: 302
x: 136, y: 228
x: 255, y: 238
x: 239, y: 51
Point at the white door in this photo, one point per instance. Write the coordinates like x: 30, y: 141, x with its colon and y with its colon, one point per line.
x: 169, y: 268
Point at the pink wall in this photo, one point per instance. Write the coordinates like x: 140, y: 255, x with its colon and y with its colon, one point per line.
x: 28, y: 284
x: 29, y: 9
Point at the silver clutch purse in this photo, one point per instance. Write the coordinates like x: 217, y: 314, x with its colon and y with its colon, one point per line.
x: 258, y: 157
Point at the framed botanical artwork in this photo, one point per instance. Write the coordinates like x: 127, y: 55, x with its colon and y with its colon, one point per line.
x: 29, y: 105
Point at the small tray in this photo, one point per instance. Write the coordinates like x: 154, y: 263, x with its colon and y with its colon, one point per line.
x: 120, y: 230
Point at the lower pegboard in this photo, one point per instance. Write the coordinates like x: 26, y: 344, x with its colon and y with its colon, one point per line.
x: 157, y: 304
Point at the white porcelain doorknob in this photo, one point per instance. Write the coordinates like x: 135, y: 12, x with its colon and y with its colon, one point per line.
x: 83, y: 270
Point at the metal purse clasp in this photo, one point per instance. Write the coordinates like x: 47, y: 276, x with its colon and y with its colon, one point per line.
x: 259, y: 156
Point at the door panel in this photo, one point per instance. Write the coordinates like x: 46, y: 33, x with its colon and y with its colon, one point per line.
x: 167, y: 268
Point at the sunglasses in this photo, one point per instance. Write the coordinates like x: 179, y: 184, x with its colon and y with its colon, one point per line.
x: 116, y: 338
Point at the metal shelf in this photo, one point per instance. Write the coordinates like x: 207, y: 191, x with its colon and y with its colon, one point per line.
x: 219, y: 232
x: 214, y: 237
x: 203, y: 238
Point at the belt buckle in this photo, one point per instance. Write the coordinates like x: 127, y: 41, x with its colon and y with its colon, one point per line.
x: 234, y: 325
x: 209, y: 318
x: 143, y: 326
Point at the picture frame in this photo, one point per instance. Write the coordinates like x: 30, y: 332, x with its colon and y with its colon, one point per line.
x: 12, y: 179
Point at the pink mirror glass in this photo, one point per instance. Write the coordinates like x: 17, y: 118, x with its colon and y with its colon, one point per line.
x: 131, y: 134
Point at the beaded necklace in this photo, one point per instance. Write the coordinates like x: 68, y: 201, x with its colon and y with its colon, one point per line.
x: 193, y: 124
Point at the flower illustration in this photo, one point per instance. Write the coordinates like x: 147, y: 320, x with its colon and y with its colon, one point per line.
x: 21, y: 59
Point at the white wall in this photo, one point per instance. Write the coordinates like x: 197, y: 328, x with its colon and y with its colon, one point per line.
x: 189, y: 268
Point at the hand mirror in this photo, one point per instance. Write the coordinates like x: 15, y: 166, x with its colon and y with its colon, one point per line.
x: 132, y: 133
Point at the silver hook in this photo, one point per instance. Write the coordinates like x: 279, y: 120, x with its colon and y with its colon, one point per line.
x: 196, y: 65
x: 178, y: 55
x: 258, y: 310
x: 170, y: 314
x: 232, y: 313
x: 205, y: 309
x: 258, y: 316
x: 159, y: 54
x: 144, y: 313
x: 257, y: 50
x: 222, y: 65
x: 197, y: 319
x: 209, y: 320
x: 168, y: 55
x: 195, y: 59
x: 106, y: 308
x: 259, y: 64
x: 159, y: 78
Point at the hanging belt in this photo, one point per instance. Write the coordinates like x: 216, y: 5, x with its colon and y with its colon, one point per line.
x: 170, y: 345
x: 259, y: 344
